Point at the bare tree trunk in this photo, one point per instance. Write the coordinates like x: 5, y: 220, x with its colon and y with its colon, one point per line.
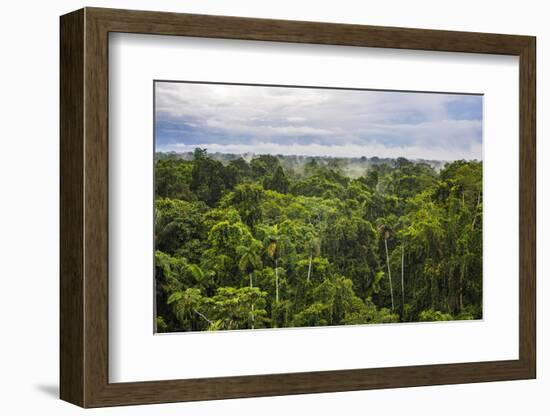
x: 460, y: 304
x: 389, y: 272
x: 475, y: 213
x: 402, y: 276
x: 276, y: 280
x: 432, y: 290
x: 203, y: 317
x: 309, y: 268
x: 251, y: 285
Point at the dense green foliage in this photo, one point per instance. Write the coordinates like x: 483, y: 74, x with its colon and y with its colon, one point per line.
x: 270, y: 243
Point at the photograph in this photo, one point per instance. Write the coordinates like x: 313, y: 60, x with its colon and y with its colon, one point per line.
x: 285, y: 206
x: 278, y: 204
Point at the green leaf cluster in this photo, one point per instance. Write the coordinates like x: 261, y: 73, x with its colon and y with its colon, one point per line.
x: 289, y: 241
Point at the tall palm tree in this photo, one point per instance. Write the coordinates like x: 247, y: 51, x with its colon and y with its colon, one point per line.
x: 314, y: 247
x: 385, y: 232
x: 274, y: 244
x: 250, y: 260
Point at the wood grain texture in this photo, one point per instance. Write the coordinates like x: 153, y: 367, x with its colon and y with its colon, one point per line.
x: 527, y: 208
x: 71, y: 185
x: 84, y: 207
x: 96, y: 208
x: 162, y: 23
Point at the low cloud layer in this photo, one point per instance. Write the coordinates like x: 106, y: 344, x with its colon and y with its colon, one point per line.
x: 317, y: 122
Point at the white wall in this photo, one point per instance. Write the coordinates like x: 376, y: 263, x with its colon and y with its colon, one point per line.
x: 29, y: 208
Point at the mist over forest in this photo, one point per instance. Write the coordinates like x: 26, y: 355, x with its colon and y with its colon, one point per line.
x: 352, y: 167
x: 270, y: 241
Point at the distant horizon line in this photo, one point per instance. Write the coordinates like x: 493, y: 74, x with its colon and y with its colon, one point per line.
x: 317, y: 156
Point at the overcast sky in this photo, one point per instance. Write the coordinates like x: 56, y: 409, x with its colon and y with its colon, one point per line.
x: 317, y: 122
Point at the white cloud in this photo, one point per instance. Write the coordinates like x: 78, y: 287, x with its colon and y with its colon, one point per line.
x: 309, y: 120
x: 348, y: 150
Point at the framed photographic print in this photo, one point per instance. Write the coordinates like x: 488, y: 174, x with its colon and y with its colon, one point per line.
x: 255, y: 207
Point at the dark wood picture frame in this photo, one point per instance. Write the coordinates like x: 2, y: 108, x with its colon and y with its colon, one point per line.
x: 84, y: 207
